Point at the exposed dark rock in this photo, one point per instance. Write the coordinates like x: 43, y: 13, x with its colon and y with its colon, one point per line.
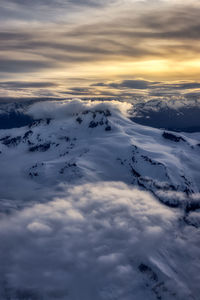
x: 108, y: 128
x: 35, y: 123
x: 134, y: 159
x: 48, y: 121
x: 85, y: 112
x: 27, y: 134
x: 40, y: 148
x: 66, y: 138
x: 148, y: 271
x: 93, y: 124
x: 107, y: 113
x: 67, y: 165
x: 79, y: 120
x: 192, y: 206
x: 121, y: 161
x: 101, y: 123
x: 5, y: 138
x: 34, y: 166
x: 29, y: 143
x: 164, y: 187
x: 12, y: 141
x: 63, y: 154
x: 135, y: 149
x: 172, y: 137
x: 158, y: 287
x: 154, y: 163
x: 135, y: 173
x: 189, y: 222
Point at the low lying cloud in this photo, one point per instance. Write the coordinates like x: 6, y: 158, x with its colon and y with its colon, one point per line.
x: 140, y: 84
x: 101, y: 241
x: 62, y: 109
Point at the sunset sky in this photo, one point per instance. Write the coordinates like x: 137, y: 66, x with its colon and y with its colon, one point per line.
x: 99, y: 48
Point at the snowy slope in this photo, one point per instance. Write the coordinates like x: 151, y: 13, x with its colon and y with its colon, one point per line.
x: 76, y: 142
x: 124, y: 209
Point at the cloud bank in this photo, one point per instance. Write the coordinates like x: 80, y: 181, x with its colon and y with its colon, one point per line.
x: 78, y: 43
x: 101, y: 241
x: 63, y: 109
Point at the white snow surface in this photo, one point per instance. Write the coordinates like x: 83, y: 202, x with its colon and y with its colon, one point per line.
x: 94, y: 206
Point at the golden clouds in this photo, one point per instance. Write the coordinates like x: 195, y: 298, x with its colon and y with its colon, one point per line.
x: 157, y: 40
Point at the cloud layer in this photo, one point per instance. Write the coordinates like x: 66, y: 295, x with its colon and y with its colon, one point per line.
x: 102, y: 241
x: 63, y: 109
x: 78, y: 43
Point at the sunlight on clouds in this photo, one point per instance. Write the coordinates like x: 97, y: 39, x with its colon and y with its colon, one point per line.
x: 150, y: 69
x: 97, y: 41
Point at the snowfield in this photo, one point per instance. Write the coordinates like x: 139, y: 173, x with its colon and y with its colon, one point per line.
x: 95, y: 206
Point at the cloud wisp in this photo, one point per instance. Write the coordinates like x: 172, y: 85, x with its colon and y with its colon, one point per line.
x: 101, y: 41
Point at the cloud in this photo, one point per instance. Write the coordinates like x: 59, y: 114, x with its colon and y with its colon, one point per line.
x: 22, y: 66
x: 133, y: 84
x: 139, y: 84
x: 138, y: 43
x: 62, y: 109
x: 43, y: 11
x: 57, y: 3
x: 146, y: 90
x: 26, y: 84
x: 126, y: 36
x: 96, y: 243
x: 79, y: 91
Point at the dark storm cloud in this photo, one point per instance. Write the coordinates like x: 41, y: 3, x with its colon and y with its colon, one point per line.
x: 134, y: 37
x: 133, y: 84
x: 144, y: 85
x: 72, y: 46
x: 60, y: 48
x: 165, y: 33
x: 79, y: 91
x: 21, y: 66
x: 56, y: 2
x: 44, y: 10
x: 13, y: 36
x: 26, y: 84
x: 178, y: 23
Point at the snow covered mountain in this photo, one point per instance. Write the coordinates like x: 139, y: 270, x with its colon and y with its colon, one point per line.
x: 77, y: 142
x: 102, y: 204
x: 173, y: 114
